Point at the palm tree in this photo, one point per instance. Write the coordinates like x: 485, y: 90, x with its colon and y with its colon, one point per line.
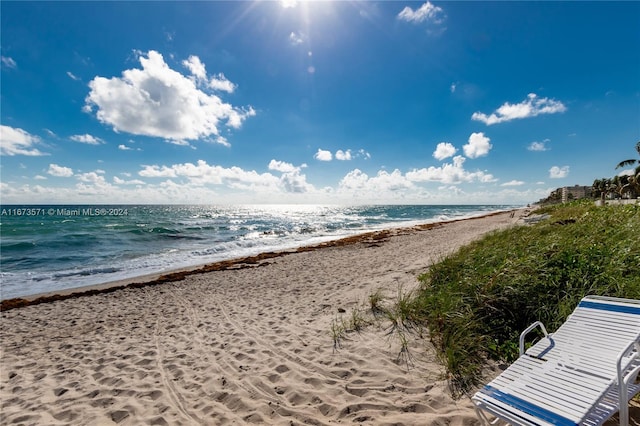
x: 614, y: 186
x: 624, y: 187
x: 632, y: 182
x: 600, y: 188
x: 632, y: 186
x: 631, y: 161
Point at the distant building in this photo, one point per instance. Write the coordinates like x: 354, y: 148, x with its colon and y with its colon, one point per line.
x: 575, y: 192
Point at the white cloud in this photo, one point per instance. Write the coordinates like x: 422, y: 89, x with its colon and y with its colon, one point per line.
x: 296, y: 38
x: 538, y: 146
x: 556, y: 172
x: 449, y: 173
x: 40, y: 177
x: 196, y: 67
x: 73, y: 76
x: 513, y: 183
x: 220, y: 82
x: 530, y: 107
x: 59, y: 171
x: 343, y: 155
x: 200, y: 183
x: 360, y: 185
x: 478, y: 145
x: 181, y: 191
x: 180, y: 142
x: 94, y: 185
x: 291, y: 180
x: 364, y: 154
x: 444, y: 150
x: 201, y: 173
x: 281, y: 166
x: 295, y: 182
x: 627, y: 172
x: 323, y: 155
x: 119, y: 181
x: 157, y: 171
x: 199, y: 72
x: 160, y: 102
x: 8, y: 62
x: 453, y: 87
x: 124, y: 148
x: 355, y: 179
x: 425, y: 12
x: 94, y: 177
x: 14, y: 141
x: 88, y: 139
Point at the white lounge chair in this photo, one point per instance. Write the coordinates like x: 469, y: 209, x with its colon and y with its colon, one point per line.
x: 580, y: 375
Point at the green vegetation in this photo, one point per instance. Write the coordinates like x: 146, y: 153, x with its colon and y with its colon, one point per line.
x: 341, y: 326
x: 396, y: 315
x: 624, y: 186
x: 399, y: 313
x: 375, y: 302
x: 476, y: 302
x: 338, y: 332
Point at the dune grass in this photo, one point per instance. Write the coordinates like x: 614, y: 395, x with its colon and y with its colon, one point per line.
x: 390, y: 313
x: 476, y: 302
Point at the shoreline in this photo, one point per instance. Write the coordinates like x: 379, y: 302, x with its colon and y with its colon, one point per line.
x: 155, y: 240
x: 179, y: 274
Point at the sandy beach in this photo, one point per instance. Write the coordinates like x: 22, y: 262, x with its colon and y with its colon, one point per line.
x: 250, y: 343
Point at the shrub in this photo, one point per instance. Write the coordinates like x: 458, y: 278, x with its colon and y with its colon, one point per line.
x: 478, y: 300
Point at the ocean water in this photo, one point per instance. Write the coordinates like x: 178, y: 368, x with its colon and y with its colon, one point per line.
x: 49, y: 248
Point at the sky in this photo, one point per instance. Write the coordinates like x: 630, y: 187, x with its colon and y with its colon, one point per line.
x: 346, y: 102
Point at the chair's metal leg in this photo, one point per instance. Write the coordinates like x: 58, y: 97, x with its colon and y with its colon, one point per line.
x: 484, y: 419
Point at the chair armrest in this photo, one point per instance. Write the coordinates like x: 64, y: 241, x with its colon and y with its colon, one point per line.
x: 623, y: 381
x: 620, y: 368
x: 528, y: 330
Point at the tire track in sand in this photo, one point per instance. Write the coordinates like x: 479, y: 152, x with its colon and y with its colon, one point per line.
x: 174, y: 394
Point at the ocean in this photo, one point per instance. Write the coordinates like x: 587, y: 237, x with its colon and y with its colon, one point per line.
x: 55, y: 247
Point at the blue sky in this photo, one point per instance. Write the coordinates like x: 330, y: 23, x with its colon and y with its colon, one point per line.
x: 314, y: 102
